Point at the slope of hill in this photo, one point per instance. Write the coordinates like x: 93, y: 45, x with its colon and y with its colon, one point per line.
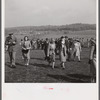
x: 70, y: 27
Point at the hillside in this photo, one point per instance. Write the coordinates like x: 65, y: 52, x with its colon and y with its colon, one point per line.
x: 70, y: 27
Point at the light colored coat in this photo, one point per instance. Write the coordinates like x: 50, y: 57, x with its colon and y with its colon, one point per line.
x: 62, y: 53
x: 51, y: 52
x: 77, y: 48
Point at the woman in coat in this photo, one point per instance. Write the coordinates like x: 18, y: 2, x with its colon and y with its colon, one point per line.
x: 77, y: 49
x: 46, y: 43
x: 26, y: 46
x: 51, y: 52
x: 62, y: 52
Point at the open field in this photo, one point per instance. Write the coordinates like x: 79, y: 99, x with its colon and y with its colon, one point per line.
x: 86, y: 34
x: 72, y: 30
x: 38, y: 71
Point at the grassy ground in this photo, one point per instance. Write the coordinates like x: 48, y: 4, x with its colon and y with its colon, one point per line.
x: 39, y: 72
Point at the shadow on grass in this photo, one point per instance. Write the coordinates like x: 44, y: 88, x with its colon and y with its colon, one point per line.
x: 38, y: 58
x: 70, y: 78
x: 19, y: 64
x: 40, y: 65
x: 8, y: 64
x: 80, y: 76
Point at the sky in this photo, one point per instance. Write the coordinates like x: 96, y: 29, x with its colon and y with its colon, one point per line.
x: 49, y: 12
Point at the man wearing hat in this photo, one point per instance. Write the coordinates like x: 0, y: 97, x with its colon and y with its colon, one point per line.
x: 11, y: 41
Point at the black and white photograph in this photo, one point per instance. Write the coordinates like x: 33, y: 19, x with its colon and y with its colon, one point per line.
x: 50, y: 41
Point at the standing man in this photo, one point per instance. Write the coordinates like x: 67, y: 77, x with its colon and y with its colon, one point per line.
x: 11, y: 41
x: 70, y: 46
x: 67, y: 47
x: 46, y: 44
x: 92, y: 60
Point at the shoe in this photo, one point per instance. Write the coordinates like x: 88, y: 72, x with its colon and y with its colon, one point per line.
x: 63, y: 67
x: 13, y: 66
x: 27, y: 64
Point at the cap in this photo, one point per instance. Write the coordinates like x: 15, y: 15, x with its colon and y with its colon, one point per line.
x: 10, y: 33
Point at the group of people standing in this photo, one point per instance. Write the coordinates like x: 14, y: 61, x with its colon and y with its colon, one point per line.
x: 67, y: 49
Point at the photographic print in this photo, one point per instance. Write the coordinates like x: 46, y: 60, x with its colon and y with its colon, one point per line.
x: 50, y: 41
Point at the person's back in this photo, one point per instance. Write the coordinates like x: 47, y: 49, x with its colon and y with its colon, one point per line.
x: 70, y: 43
x: 46, y: 44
